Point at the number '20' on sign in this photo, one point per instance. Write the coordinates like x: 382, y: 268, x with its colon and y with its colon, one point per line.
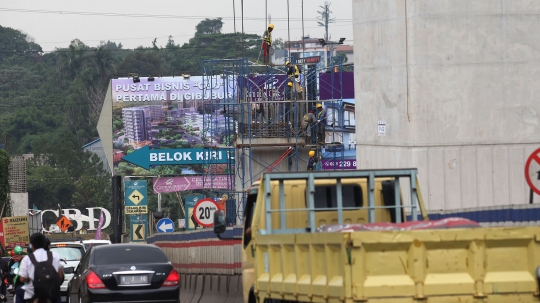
x: 204, y: 212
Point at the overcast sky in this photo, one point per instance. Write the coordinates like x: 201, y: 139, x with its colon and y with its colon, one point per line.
x: 54, y: 23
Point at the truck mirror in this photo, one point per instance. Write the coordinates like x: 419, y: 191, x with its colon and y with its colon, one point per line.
x: 220, y: 225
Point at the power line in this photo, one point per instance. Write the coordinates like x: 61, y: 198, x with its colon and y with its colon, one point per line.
x: 105, y: 14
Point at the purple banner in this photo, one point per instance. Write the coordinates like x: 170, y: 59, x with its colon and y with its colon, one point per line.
x: 338, y: 164
x: 174, y: 184
x: 267, y: 87
x: 325, y: 86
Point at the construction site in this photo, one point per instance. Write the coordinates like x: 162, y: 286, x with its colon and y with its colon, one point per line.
x: 273, y: 128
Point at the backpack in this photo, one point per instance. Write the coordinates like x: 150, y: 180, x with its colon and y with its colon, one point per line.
x: 46, y: 280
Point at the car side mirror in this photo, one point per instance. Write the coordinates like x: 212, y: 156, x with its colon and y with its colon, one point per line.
x: 69, y: 270
x: 220, y: 224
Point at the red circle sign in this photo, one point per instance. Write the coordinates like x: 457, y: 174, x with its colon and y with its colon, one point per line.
x: 532, y: 171
x: 204, y: 212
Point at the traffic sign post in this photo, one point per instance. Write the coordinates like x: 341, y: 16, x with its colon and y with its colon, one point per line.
x: 165, y: 225
x: 135, y: 197
x: 532, y: 173
x: 203, y: 213
x: 138, y: 227
x: 64, y: 223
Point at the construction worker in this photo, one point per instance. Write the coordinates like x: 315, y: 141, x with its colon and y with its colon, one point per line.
x: 267, y: 43
x: 293, y: 77
x: 309, y: 123
x: 312, y: 160
x: 321, y: 122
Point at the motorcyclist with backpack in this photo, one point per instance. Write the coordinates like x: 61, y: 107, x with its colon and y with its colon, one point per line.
x: 42, y: 273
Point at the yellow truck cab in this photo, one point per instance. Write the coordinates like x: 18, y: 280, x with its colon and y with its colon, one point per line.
x: 287, y: 256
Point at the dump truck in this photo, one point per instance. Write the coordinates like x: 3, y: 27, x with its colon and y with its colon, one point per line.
x: 350, y: 236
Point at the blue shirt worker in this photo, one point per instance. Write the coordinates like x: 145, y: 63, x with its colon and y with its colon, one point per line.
x: 312, y: 160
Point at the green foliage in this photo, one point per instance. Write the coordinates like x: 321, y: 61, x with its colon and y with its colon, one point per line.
x: 143, y: 62
x: 4, y: 181
x: 50, y: 104
x: 209, y: 26
x: 16, y: 46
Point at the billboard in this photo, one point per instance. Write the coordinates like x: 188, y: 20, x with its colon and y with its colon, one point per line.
x: 175, y: 184
x: 15, y: 231
x: 266, y: 87
x: 171, y: 125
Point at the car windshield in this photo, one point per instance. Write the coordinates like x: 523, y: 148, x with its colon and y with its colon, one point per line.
x: 115, y: 254
x: 88, y: 245
x: 67, y: 253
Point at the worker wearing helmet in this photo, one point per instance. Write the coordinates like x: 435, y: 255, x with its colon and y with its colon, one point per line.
x: 293, y: 77
x: 267, y: 43
x: 309, y: 125
x: 321, y: 121
x: 312, y: 160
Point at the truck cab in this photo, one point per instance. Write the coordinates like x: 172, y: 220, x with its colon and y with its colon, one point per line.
x: 293, y: 194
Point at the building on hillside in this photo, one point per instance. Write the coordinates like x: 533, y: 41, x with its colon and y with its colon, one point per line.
x: 96, y: 147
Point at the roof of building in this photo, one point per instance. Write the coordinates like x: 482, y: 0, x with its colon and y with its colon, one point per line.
x: 91, y: 143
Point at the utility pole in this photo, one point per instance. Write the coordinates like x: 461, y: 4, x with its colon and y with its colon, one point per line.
x: 324, y: 17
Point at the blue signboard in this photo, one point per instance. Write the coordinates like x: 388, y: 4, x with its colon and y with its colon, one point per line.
x: 144, y: 157
x: 136, y: 193
x: 139, y: 227
x: 165, y: 225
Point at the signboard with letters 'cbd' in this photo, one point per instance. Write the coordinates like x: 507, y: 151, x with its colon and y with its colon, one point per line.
x: 15, y: 231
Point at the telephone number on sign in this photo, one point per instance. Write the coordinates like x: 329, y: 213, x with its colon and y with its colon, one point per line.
x: 339, y: 164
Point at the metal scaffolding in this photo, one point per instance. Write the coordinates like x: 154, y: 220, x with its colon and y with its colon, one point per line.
x: 251, y: 111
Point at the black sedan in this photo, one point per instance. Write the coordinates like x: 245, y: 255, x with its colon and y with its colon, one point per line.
x: 124, y: 273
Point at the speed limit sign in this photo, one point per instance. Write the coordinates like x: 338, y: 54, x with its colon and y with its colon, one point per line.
x: 204, y: 212
x: 532, y: 171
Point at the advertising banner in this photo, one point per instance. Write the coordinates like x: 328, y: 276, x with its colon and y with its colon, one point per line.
x: 333, y: 164
x: 175, y: 184
x: 264, y: 88
x: 15, y: 231
x: 150, y: 117
x: 190, y: 202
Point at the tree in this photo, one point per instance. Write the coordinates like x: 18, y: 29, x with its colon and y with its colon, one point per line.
x: 16, y: 44
x: 4, y: 182
x: 324, y: 17
x: 209, y: 26
x: 278, y: 44
x: 142, y: 62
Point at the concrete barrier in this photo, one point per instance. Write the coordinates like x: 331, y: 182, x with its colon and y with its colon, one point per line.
x: 198, y: 289
x: 185, y: 294
x: 215, y: 289
x: 235, y: 294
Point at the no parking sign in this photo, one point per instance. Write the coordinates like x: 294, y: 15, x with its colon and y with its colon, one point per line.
x: 532, y: 171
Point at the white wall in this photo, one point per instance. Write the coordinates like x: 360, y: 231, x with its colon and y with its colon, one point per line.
x: 19, y: 204
x: 457, y: 84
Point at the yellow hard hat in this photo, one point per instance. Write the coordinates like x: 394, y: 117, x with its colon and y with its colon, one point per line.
x: 311, y: 153
x: 319, y: 105
x: 271, y: 25
x: 287, y: 63
x: 289, y: 84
